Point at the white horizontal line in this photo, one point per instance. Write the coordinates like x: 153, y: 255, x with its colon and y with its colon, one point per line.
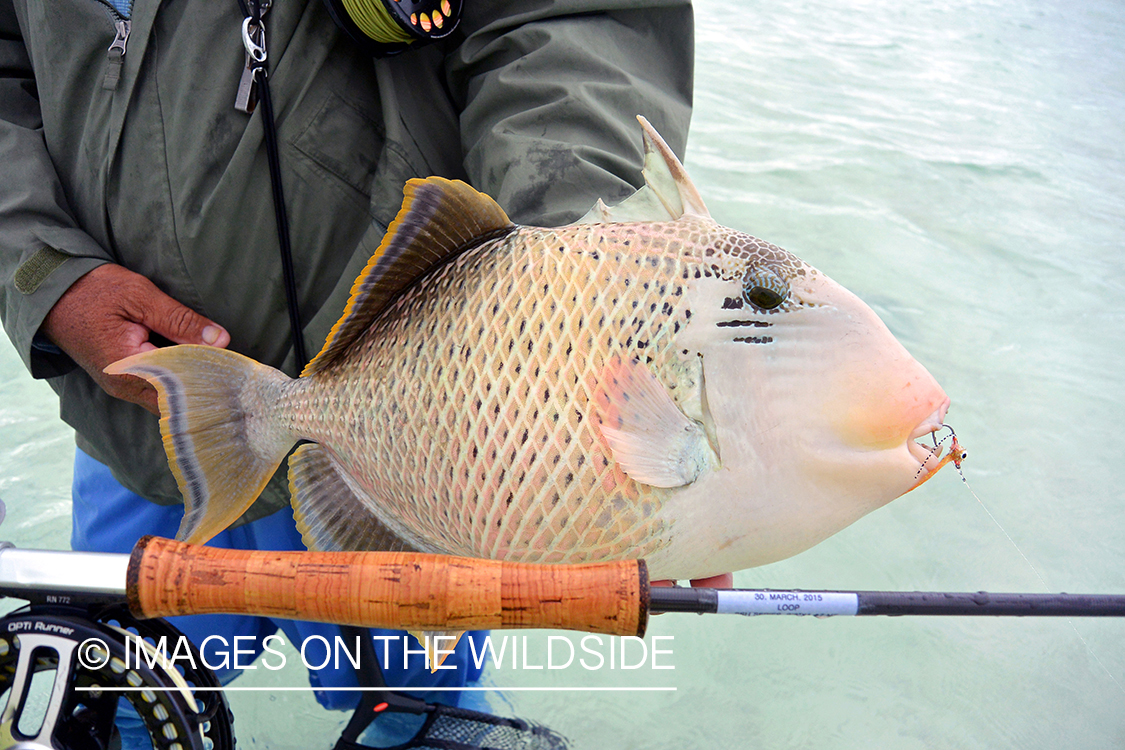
x: 370, y: 689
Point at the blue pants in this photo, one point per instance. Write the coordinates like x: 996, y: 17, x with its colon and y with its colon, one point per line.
x: 110, y: 518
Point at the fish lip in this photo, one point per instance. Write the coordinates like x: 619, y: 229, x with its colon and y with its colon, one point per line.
x: 927, y: 456
x: 932, y: 423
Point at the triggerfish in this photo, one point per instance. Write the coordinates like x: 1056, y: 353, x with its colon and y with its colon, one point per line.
x: 644, y: 383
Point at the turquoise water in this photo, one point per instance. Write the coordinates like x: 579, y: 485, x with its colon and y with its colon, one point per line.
x: 960, y: 166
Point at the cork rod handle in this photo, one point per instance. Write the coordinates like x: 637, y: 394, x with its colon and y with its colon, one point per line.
x: 401, y: 590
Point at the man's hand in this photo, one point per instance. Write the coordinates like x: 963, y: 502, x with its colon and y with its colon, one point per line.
x: 109, y: 314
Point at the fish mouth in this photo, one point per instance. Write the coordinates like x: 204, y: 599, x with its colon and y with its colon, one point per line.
x: 927, y: 455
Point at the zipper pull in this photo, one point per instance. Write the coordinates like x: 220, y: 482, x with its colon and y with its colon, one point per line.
x: 116, y: 55
x: 254, y: 41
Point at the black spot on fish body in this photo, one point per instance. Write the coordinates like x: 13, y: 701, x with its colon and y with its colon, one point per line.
x: 732, y: 303
x: 754, y: 339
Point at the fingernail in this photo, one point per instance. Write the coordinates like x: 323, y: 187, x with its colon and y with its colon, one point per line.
x: 211, y: 334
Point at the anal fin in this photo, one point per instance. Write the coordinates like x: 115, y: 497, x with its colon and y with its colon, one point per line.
x: 432, y: 639
x: 331, y: 518
x: 328, y: 514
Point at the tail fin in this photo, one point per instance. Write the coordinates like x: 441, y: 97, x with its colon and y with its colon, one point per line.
x: 221, y: 446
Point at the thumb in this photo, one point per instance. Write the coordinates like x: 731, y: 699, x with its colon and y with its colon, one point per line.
x: 179, y: 323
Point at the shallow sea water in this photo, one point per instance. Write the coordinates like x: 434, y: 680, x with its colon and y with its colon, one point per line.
x: 961, y: 167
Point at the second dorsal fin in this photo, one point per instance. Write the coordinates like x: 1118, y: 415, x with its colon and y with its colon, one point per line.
x: 439, y: 219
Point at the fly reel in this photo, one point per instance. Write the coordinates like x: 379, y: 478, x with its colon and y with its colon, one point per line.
x: 62, y: 673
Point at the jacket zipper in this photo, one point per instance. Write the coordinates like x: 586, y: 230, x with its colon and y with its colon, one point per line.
x: 116, y: 53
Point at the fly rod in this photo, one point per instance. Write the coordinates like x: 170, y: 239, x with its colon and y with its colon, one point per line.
x: 892, y: 603
x: 414, y: 591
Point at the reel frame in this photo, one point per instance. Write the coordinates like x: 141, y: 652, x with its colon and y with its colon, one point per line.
x: 86, y: 649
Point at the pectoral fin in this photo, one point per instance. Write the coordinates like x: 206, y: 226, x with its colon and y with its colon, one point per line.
x: 651, y: 439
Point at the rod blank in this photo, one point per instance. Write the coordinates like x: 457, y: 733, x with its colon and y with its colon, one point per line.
x: 892, y: 603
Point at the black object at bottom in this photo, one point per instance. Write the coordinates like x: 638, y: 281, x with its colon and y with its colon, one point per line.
x: 445, y: 727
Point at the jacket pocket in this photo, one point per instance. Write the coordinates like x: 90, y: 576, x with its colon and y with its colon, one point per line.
x: 344, y: 141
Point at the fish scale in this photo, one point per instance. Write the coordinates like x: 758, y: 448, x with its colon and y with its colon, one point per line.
x: 496, y: 456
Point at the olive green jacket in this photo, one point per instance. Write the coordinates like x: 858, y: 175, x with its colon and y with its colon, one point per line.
x: 143, y: 160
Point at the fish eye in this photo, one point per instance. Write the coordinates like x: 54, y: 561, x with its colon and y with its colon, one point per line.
x: 764, y: 289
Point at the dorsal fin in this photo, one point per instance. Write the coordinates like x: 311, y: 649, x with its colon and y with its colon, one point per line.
x: 668, y: 192
x: 438, y: 220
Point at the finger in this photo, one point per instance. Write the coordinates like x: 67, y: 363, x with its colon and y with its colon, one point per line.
x: 131, y: 388
x: 179, y: 323
x: 722, y: 581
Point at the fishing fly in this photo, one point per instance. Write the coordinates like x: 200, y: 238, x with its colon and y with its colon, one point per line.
x: 956, y: 455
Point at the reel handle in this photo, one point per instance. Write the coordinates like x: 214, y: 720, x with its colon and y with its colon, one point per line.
x: 400, y: 590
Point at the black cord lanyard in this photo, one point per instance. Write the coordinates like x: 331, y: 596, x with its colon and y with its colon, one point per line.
x: 255, y: 88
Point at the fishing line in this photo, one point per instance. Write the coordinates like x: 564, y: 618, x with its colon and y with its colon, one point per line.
x: 957, y: 464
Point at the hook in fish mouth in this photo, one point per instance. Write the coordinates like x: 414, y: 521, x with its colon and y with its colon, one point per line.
x: 931, y: 457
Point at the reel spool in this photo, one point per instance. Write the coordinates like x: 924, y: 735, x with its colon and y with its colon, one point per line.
x: 53, y: 660
x: 387, y: 27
